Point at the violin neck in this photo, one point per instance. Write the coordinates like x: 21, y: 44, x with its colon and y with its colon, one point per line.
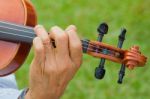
x: 19, y: 33
x: 16, y: 33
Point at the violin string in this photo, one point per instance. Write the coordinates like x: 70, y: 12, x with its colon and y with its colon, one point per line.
x: 32, y: 37
x: 2, y: 32
x: 93, y: 45
x: 28, y: 32
x: 17, y: 25
x: 33, y: 33
x: 18, y: 29
x: 84, y: 45
x: 88, y: 49
x: 94, y: 50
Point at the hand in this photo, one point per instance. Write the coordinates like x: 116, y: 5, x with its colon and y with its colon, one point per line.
x: 53, y: 68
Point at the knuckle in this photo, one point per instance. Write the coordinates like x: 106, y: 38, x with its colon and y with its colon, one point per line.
x: 46, y: 40
x: 58, y: 33
x: 37, y: 46
x: 62, y: 37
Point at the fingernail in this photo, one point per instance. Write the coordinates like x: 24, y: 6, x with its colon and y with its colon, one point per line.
x: 56, y: 29
x: 71, y: 27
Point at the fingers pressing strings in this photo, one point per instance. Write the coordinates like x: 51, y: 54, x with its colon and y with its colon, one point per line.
x: 38, y: 48
x: 61, y: 51
x: 46, y: 43
x: 42, y: 33
x: 61, y: 42
x: 74, y: 45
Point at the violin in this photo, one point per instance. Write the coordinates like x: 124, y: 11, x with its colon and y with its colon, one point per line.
x: 17, y: 34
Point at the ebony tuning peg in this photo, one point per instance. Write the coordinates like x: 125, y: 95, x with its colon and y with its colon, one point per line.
x: 100, y: 70
x: 102, y: 30
x: 120, y: 43
x: 99, y: 73
x: 121, y: 74
x: 122, y: 37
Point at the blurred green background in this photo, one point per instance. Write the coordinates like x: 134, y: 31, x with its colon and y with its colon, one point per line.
x: 87, y: 15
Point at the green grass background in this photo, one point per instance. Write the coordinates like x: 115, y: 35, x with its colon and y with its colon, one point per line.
x: 87, y: 15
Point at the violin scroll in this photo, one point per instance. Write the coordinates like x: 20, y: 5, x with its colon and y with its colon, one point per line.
x: 127, y: 58
x: 133, y: 58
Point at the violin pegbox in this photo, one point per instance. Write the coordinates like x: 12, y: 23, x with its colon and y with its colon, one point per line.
x: 100, y: 70
x: 127, y: 58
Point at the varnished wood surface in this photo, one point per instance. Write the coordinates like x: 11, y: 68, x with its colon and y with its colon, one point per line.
x: 12, y: 55
x: 131, y: 58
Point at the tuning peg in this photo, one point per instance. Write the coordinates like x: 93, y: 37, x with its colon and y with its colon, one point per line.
x: 100, y: 70
x: 102, y: 30
x: 99, y: 73
x: 120, y: 43
x: 121, y: 74
x: 122, y: 37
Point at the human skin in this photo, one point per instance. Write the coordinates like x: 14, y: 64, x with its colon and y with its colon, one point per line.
x: 52, y: 68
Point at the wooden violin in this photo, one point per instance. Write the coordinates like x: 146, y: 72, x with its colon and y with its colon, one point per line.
x: 16, y: 35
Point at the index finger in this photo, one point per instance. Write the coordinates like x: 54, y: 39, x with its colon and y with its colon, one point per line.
x: 41, y: 32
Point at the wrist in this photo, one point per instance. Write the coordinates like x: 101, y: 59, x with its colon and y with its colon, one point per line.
x: 33, y: 95
x: 30, y: 95
x: 23, y: 93
x: 27, y: 96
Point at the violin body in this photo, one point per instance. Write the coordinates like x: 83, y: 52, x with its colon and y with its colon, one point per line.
x: 12, y: 54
